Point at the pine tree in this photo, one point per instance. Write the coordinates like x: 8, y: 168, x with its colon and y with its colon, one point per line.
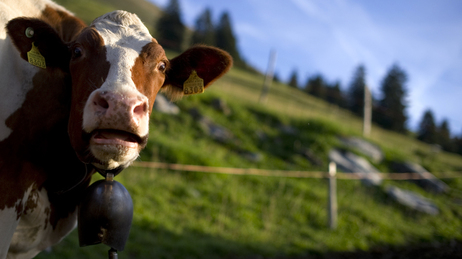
x: 334, y: 95
x: 204, y: 32
x: 276, y: 77
x: 226, y: 40
x: 293, y: 81
x: 444, y: 137
x: 427, y: 128
x: 390, y: 113
x: 356, y: 91
x: 458, y: 144
x: 170, y: 28
x: 316, y: 86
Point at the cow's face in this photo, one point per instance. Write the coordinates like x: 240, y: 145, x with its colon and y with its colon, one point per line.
x: 117, y: 69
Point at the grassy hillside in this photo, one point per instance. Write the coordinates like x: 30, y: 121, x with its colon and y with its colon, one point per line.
x: 88, y: 10
x: 199, y: 215
x: 287, y: 102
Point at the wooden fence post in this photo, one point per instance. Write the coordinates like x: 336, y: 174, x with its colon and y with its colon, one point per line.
x: 268, y: 77
x: 332, y: 196
x: 367, y: 112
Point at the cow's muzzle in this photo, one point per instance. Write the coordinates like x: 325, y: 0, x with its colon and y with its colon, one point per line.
x: 118, y: 125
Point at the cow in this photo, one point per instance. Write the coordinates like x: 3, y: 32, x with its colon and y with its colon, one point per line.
x: 75, y: 100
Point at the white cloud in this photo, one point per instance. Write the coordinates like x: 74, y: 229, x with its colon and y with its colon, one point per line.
x: 249, y: 30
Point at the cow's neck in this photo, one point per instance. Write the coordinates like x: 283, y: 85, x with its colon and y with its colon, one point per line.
x: 38, y: 127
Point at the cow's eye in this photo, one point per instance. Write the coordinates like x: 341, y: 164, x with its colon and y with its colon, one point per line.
x: 77, y: 52
x: 162, y: 66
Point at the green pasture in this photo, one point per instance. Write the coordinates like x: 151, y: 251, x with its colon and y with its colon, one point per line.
x: 88, y: 10
x: 203, y: 215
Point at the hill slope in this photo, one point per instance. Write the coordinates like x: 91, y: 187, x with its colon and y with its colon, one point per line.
x: 88, y: 10
x: 199, y: 215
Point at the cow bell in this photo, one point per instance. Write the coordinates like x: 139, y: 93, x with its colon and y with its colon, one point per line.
x: 105, y: 214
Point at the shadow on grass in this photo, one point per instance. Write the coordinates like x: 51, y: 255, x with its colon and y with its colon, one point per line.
x: 440, y: 250
x: 151, y: 242
x: 147, y: 241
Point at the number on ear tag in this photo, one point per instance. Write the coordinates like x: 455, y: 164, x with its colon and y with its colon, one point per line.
x: 194, y: 84
x: 35, y: 58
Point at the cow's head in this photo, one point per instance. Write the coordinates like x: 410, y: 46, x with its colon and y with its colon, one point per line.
x: 116, y: 69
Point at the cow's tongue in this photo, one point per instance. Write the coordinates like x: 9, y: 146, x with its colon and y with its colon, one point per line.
x: 113, y: 137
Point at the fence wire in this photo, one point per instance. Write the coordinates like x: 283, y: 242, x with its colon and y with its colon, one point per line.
x: 295, y: 174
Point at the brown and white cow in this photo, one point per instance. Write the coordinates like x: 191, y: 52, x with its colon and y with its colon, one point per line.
x: 87, y: 110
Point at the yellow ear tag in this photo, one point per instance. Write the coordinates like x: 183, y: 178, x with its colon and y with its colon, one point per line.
x: 35, y: 58
x: 194, y: 84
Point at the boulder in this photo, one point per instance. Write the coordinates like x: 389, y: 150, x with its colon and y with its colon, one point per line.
x: 288, y: 130
x: 364, y: 147
x: 252, y: 156
x: 218, y: 133
x: 220, y: 105
x: 431, y: 183
x: 351, y: 163
x: 412, y: 200
x: 195, y: 113
x: 165, y: 106
x: 311, y: 156
x: 261, y: 135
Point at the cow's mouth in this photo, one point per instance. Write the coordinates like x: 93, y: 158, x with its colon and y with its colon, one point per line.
x: 112, y: 149
x: 116, y: 137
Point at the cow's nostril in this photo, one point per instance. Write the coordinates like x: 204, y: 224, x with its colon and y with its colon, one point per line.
x: 140, y: 109
x: 101, y: 102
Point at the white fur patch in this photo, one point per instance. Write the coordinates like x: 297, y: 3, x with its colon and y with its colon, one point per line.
x: 32, y: 233
x: 15, y: 73
x: 8, y: 223
x: 124, y: 37
x: 16, y: 80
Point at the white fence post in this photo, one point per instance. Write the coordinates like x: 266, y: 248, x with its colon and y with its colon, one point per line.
x: 332, y: 196
x: 268, y: 77
x: 367, y: 112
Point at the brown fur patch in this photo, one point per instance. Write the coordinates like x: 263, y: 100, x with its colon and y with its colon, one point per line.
x: 146, y: 74
x: 210, y: 63
x: 89, y: 72
x: 38, y: 151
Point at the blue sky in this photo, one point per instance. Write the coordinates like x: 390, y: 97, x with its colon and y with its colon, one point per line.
x: 424, y: 37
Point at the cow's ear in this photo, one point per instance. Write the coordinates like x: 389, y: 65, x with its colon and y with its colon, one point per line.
x: 27, y: 31
x: 209, y: 63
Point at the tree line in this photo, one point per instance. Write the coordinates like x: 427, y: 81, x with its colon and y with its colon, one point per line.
x: 433, y: 133
x: 172, y: 33
x: 389, y: 110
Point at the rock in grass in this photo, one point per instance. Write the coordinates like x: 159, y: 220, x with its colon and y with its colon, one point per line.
x: 364, y: 147
x: 252, y: 156
x: 216, y: 132
x: 351, y: 163
x: 412, y: 200
x: 431, y: 184
x: 288, y: 130
x: 165, y: 106
x: 311, y: 156
x: 220, y: 105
